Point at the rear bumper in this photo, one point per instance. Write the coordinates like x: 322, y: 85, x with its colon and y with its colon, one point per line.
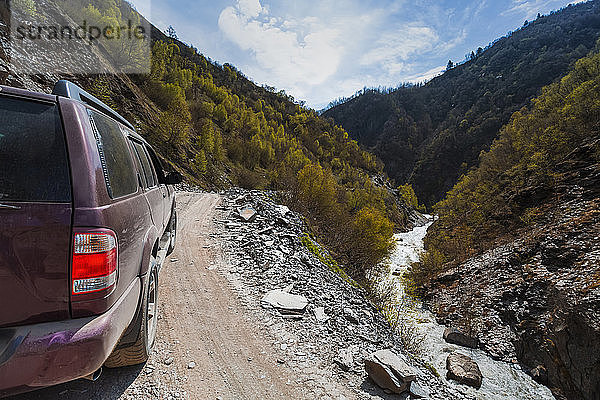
x: 47, y: 354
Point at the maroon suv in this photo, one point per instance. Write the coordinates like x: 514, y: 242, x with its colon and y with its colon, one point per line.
x: 87, y: 217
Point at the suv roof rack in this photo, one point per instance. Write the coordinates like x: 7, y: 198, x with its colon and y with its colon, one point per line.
x: 70, y: 90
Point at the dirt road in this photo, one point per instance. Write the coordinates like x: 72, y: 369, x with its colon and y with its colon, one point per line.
x: 206, y: 348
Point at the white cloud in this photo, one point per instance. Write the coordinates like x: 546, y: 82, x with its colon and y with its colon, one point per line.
x: 393, y: 48
x: 530, y: 8
x: 288, y: 53
x: 448, y: 45
x: 427, y: 75
x: 326, y: 51
x: 250, y: 8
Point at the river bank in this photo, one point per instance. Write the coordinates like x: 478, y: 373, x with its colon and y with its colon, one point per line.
x: 501, y: 380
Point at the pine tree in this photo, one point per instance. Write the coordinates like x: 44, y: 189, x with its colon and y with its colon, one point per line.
x: 171, y: 32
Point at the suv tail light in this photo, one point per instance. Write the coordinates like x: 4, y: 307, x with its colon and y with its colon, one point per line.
x: 94, y: 262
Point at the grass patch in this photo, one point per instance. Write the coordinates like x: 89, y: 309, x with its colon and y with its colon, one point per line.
x: 432, y: 369
x: 323, y: 256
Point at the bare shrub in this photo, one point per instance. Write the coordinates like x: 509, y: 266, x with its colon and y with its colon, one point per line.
x: 400, y: 311
x: 401, y: 317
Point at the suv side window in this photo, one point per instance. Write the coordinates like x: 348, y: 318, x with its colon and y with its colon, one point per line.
x: 148, y: 175
x: 33, y: 153
x: 158, y: 168
x: 117, y: 164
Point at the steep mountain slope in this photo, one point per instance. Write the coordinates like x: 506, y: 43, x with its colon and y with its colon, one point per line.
x: 220, y: 129
x: 431, y: 134
x: 515, y: 253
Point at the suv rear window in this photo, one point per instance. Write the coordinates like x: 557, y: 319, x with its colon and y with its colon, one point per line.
x: 119, y: 171
x: 33, y: 154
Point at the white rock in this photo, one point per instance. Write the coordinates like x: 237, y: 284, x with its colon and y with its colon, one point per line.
x: 320, y: 314
x: 283, y: 300
x: 283, y: 210
x: 247, y: 213
x: 345, y: 359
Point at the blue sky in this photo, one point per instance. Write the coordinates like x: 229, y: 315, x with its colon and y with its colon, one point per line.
x: 320, y: 50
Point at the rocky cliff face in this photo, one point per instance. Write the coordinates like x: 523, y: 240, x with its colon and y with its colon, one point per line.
x: 536, y: 299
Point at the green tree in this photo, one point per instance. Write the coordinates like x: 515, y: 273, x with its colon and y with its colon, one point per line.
x: 316, y: 189
x: 373, y: 239
x: 200, y: 163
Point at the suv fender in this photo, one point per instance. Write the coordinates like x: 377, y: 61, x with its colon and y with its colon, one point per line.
x: 131, y: 334
x: 150, y: 248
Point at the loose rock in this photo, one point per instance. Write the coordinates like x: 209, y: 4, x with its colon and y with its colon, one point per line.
x: 418, y: 391
x: 247, y: 213
x: 286, y: 302
x: 456, y: 336
x: 320, y: 314
x: 350, y: 315
x: 463, y: 369
x: 388, y: 371
x: 345, y: 359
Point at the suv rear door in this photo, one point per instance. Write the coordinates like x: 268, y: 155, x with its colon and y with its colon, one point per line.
x: 35, y: 213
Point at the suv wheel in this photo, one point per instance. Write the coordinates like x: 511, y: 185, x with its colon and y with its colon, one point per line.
x: 139, y: 351
x: 173, y: 232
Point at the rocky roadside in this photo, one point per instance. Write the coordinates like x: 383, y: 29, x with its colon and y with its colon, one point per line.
x: 536, y: 299
x: 329, y: 329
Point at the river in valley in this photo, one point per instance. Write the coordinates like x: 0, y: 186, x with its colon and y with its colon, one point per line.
x: 501, y: 380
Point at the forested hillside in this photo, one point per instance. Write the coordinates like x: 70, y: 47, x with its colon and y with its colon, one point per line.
x: 218, y: 128
x: 526, y: 166
x: 518, y: 238
x: 429, y: 135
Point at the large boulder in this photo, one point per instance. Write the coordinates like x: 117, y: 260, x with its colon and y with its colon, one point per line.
x: 463, y: 369
x: 456, y: 336
x: 388, y: 371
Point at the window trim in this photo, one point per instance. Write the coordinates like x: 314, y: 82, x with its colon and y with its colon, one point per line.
x: 138, y: 163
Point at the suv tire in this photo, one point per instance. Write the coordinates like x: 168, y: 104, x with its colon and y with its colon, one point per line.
x: 172, y: 232
x: 139, y: 351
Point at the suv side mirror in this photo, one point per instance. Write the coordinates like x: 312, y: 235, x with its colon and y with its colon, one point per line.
x: 173, y: 178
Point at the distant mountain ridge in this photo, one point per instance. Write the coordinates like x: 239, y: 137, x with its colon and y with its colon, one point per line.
x: 429, y: 135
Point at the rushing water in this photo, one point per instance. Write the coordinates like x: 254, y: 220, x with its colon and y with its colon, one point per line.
x: 501, y: 381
